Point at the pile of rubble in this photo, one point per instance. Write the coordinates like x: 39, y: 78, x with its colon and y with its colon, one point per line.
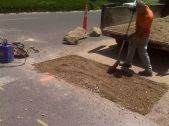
x: 80, y: 33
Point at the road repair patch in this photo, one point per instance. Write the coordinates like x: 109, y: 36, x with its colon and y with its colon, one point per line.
x: 131, y: 92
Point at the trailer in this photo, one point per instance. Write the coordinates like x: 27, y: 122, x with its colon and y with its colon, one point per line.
x: 159, y: 37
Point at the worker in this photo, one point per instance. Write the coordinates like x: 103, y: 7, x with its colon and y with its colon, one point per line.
x: 139, y: 39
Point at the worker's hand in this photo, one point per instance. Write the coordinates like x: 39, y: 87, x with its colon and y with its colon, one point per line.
x: 133, y: 10
x: 126, y: 37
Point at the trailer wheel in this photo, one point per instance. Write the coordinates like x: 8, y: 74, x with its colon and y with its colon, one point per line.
x: 119, y: 41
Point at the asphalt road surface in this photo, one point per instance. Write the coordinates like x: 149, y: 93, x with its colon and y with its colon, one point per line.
x: 29, y: 98
x: 44, y: 26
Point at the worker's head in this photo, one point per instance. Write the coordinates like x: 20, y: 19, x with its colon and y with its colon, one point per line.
x: 140, y: 7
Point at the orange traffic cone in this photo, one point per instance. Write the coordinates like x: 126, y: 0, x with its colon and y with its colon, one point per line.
x: 85, y: 20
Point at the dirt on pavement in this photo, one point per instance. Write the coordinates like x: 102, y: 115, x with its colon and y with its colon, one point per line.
x: 130, y: 91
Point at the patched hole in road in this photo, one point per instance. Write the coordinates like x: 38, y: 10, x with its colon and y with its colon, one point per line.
x: 134, y: 93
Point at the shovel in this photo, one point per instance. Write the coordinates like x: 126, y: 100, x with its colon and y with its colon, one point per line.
x: 112, y: 68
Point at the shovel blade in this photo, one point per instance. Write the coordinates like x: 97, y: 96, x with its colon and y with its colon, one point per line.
x: 112, y: 68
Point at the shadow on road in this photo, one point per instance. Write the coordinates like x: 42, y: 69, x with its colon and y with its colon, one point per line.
x: 159, y: 59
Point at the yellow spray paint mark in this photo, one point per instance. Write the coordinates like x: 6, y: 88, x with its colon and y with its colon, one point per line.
x: 1, y: 89
x: 42, y: 123
x: 1, y: 85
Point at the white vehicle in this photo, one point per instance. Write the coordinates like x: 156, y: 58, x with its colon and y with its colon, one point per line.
x: 130, y: 5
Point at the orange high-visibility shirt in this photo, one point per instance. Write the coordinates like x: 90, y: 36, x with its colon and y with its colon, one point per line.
x: 143, y: 22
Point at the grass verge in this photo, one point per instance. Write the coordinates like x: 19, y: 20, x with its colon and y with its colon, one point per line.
x: 8, y: 6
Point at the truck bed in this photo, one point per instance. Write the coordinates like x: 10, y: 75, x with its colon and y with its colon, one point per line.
x: 159, y: 37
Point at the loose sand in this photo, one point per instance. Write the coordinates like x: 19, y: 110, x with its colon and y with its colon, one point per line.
x: 160, y: 29
x: 130, y: 91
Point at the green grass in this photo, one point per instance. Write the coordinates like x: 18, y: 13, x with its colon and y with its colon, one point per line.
x: 47, y: 5
x: 53, y: 5
x: 151, y: 1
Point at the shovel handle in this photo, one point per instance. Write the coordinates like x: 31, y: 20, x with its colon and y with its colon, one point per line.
x: 121, y: 48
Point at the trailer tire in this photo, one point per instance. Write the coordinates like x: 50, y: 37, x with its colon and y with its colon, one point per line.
x: 119, y: 41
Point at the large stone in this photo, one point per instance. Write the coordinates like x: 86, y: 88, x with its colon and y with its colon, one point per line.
x: 95, y: 32
x: 74, y: 36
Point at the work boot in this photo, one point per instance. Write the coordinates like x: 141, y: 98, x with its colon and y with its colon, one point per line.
x: 126, y: 65
x: 146, y: 73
